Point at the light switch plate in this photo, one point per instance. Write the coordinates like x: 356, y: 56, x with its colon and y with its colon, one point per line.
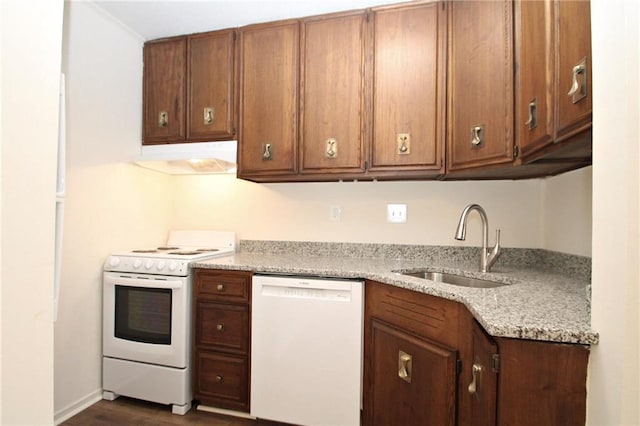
x: 397, y: 213
x: 335, y: 213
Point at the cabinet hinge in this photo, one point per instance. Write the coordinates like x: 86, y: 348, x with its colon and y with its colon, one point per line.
x: 367, y: 16
x: 459, y: 366
x: 516, y: 151
x: 495, y: 363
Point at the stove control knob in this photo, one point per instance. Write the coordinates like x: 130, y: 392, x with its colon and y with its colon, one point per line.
x: 173, y: 265
x: 160, y: 265
x: 114, y: 261
x: 137, y: 263
x: 148, y: 264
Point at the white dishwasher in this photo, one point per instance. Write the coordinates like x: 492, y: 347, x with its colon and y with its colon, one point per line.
x: 306, y: 350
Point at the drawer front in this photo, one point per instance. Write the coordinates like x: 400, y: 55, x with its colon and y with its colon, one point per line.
x: 222, y: 380
x: 231, y: 286
x: 223, y: 327
x: 425, y: 315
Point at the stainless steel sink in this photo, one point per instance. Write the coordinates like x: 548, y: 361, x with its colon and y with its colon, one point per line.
x: 454, y: 279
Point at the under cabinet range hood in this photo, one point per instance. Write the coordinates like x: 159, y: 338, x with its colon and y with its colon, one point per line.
x: 190, y: 158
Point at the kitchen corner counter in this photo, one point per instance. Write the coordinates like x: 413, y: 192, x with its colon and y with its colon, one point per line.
x: 547, y: 296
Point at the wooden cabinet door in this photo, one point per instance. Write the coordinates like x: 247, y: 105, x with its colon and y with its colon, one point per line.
x: 409, y: 88
x: 534, y: 75
x: 413, y: 381
x: 211, y: 86
x: 483, y: 379
x: 332, y: 94
x: 221, y: 380
x: 573, y: 67
x: 480, y: 123
x: 164, y: 112
x: 268, y: 100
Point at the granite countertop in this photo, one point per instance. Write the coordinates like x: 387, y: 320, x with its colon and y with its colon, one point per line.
x: 546, y: 296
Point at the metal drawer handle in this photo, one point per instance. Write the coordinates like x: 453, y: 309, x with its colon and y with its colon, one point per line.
x: 475, y: 371
x: 266, y: 151
x: 578, y: 88
x: 532, y: 122
x: 332, y: 148
x: 477, y: 136
x: 404, y: 366
x: 219, y: 378
x: 220, y: 287
x: 163, y: 119
x: 220, y: 327
x: 208, y: 116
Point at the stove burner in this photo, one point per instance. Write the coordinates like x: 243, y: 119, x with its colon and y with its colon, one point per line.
x: 208, y: 249
x: 185, y: 253
x: 168, y: 248
x: 144, y: 251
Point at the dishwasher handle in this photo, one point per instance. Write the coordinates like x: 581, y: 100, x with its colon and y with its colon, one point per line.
x: 301, y: 288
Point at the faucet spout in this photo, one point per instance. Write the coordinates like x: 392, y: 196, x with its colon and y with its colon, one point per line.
x: 487, y: 258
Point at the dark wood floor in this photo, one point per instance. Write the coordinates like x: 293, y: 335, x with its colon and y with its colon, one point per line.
x: 127, y: 411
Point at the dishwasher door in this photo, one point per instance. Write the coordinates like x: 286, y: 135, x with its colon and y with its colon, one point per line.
x: 306, y: 350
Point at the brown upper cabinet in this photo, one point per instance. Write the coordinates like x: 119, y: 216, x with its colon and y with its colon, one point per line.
x: 409, y: 82
x: 553, y: 103
x: 332, y: 122
x: 165, y: 112
x: 268, y: 101
x: 480, y: 100
x: 189, y: 88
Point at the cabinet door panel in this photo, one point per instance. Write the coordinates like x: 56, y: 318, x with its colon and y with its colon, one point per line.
x: 164, y: 91
x: 409, y: 86
x: 480, y: 131
x: 222, y: 327
x: 430, y: 396
x: 483, y: 405
x: 573, y: 48
x: 333, y: 94
x: 211, y: 86
x: 534, y: 73
x: 222, y: 380
x: 268, y: 99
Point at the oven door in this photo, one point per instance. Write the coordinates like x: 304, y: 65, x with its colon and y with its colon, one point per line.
x: 146, y: 318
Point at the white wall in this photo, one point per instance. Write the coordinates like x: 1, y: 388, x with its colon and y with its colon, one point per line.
x: 567, y: 212
x: 111, y: 204
x: 31, y: 40
x: 300, y: 211
x: 614, y: 372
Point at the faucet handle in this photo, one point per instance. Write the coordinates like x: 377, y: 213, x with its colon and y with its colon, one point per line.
x: 497, y: 238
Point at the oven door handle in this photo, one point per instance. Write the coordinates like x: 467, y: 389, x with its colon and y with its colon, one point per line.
x: 147, y: 283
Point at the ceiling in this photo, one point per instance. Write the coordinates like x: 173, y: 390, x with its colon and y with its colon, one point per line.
x: 152, y: 19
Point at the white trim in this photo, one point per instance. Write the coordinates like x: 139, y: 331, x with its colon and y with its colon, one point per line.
x: 78, y: 406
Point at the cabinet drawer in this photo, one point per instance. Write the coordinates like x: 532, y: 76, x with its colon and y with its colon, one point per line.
x: 422, y: 314
x: 225, y: 286
x: 224, y: 327
x: 222, y: 380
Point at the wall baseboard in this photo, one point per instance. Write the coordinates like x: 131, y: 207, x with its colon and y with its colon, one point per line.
x: 74, y: 408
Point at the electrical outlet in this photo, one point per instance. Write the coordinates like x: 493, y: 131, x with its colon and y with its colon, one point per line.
x: 335, y: 213
x: 397, y: 213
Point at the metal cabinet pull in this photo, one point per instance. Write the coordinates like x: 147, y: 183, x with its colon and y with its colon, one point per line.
x: 219, y: 378
x: 220, y: 287
x: 220, y: 327
x: 266, y: 151
x: 403, y: 143
x: 332, y: 148
x: 475, y: 371
x: 532, y: 122
x: 578, y: 88
x: 405, y: 365
x: 477, y: 136
x: 163, y: 119
x: 208, y: 116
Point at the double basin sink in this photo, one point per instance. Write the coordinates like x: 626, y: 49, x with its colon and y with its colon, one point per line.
x: 453, y: 279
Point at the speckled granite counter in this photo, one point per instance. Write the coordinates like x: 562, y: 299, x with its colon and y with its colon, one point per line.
x: 547, y: 296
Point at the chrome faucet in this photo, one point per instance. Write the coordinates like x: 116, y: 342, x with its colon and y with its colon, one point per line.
x: 487, y: 259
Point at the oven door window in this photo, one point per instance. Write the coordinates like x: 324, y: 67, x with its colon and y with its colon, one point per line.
x: 143, y: 314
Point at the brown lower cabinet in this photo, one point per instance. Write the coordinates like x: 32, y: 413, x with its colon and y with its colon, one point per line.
x: 428, y: 362
x: 222, y: 338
